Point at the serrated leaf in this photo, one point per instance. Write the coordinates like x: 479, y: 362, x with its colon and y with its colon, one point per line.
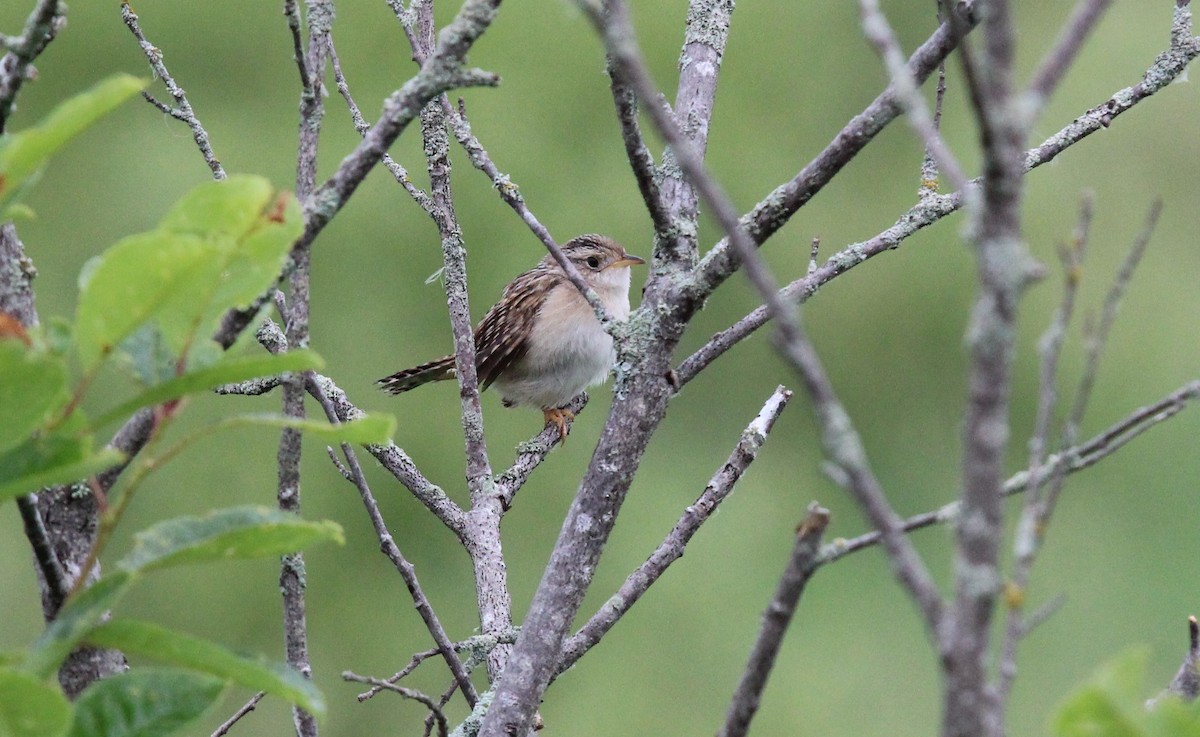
x: 229, y: 369
x: 179, y: 649
x: 30, y: 707
x: 146, y: 702
x: 32, y: 383
x: 372, y: 428
x: 237, y: 532
x: 134, y: 281
x: 81, y: 613
x: 23, y: 154
x: 221, y: 246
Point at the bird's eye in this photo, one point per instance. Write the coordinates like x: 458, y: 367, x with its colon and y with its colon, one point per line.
x: 593, y: 262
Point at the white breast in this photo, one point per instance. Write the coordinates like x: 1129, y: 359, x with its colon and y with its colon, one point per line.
x: 568, y: 350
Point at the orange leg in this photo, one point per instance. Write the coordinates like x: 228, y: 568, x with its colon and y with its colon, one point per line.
x: 559, y: 418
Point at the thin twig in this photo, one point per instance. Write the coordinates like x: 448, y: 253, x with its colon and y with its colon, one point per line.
x: 775, y: 620
x: 531, y: 453
x: 1166, y: 68
x: 412, y: 665
x: 246, y: 708
x: 510, y: 193
x: 42, y: 25
x: 408, y: 693
x: 1029, y: 532
x: 929, y: 170
x: 390, y: 456
x: 296, y: 315
x: 389, y: 548
x: 845, y: 450
x: 443, y: 70
x: 672, y: 547
x: 482, y: 539
x: 774, y: 210
x: 1186, y: 683
x: 640, y: 159
x: 616, y: 29
x: 1077, y: 458
x: 705, y: 35
x: 399, y: 173
x: 183, y: 109
x: 883, y: 38
x: 1058, y: 60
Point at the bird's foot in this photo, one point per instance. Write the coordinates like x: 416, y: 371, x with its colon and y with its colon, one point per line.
x: 559, y: 417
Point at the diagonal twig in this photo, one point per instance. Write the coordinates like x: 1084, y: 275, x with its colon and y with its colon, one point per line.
x: 778, y: 615
x: 671, y: 549
x: 183, y: 109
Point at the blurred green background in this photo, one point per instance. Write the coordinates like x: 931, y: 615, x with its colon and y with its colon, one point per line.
x: 1122, y: 549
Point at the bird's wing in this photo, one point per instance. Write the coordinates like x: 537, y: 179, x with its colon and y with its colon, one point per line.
x: 502, y: 337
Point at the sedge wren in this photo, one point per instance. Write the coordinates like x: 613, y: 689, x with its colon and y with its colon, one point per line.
x: 541, y: 343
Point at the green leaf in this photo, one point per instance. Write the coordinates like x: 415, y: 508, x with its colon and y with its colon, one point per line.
x: 147, y: 357
x: 238, y: 532
x: 64, y: 457
x: 1111, y: 703
x: 32, y: 384
x: 372, y: 428
x: 229, y: 369
x: 31, y: 708
x: 133, y: 282
x: 23, y: 154
x: 177, y: 648
x: 80, y: 614
x: 221, y: 246
x: 146, y: 702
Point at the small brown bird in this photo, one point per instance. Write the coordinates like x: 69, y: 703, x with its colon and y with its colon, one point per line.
x: 541, y: 343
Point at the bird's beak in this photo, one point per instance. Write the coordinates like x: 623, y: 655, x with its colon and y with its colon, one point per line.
x: 627, y: 260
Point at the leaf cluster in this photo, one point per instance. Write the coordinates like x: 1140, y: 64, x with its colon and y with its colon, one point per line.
x: 148, y: 307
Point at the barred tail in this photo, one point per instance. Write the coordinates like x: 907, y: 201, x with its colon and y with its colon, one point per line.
x: 402, y: 381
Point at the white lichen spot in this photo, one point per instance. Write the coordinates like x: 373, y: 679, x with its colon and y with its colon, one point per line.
x: 583, y: 524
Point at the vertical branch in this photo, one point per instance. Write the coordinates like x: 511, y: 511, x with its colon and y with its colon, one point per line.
x: 704, y: 39
x: 41, y: 27
x: 295, y: 311
x: 639, y: 404
x: 1004, y: 268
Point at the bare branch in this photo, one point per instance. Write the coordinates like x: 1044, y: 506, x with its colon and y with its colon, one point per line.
x: 1004, y: 268
x: 705, y: 35
x: 671, y: 549
x: 786, y: 199
x: 845, y: 450
x: 617, y: 30
x: 245, y: 709
x: 1068, y: 462
x: 408, y: 693
x: 932, y: 208
x: 389, y: 548
x: 1186, y: 683
x: 510, y: 193
x: 530, y: 455
x: 16, y: 66
x: 390, y: 456
x: 908, y: 94
x: 183, y: 110
x: 441, y: 71
x: 399, y: 173
x: 1058, y: 60
x: 776, y: 618
x: 645, y: 173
